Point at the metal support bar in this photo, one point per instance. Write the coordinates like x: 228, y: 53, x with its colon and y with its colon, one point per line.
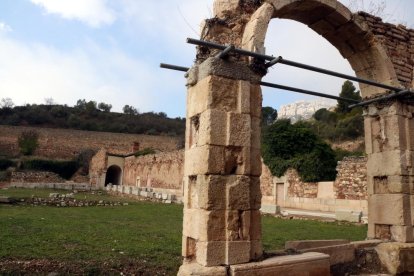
x: 294, y: 64
x: 273, y: 85
x: 273, y: 62
x: 308, y: 92
x: 225, y: 52
x: 174, y: 67
x: 383, y: 98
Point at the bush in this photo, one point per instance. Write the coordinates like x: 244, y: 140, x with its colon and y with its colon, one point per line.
x: 296, y: 146
x: 28, y: 142
x: 63, y: 168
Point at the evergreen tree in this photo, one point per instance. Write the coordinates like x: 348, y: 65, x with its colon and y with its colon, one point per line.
x: 348, y: 91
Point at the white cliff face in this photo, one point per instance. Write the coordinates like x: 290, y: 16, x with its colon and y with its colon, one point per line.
x: 303, y: 110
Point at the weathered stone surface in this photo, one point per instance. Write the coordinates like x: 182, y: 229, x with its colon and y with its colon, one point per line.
x: 308, y: 244
x: 339, y: 254
x: 204, y: 160
x: 397, y: 257
x: 389, y: 209
x: 346, y: 215
x: 212, y: 253
x: 194, y: 269
x: 312, y: 264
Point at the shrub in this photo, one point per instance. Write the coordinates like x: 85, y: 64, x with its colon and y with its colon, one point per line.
x: 63, y: 168
x: 296, y: 146
x: 28, y: 142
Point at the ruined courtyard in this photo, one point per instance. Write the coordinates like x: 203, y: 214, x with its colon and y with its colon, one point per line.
x: 220, y: 178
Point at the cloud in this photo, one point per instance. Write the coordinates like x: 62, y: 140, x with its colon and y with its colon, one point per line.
x: 95, y: 13
x: 4, y: 27
x: 29, y: 73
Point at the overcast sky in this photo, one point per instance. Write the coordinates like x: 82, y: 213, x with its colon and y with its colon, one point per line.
x: 109, y: 51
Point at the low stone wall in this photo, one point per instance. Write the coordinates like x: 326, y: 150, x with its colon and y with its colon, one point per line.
x: 298, y: 188
x: 36, y: 177
x: 163, y: 170
x: 162, y: 195
x: 70, y: 186
x: 351, y: 181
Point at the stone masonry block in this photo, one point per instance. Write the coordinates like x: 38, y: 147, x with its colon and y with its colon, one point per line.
x: 204, y: 160
x: 256, y: 250
x: 389, y: 209
x: 256, y: 101
x: 402, y: 233
x: 191, y: 223
x: 398, y: 258
x: 244, y: 97
x: 213, y: 92
x: 238, y: 130
x: 385, y: 163
x: 212, y: 129
x: 255, y: 193
x: 256, y: 132
x: 188, y: 247
x: 190, y: 196
x: 212, y: 225
x: 197, y: 97
x: 211, y: 253
x: 238, y: 194
x: 255, y: 227
x: 242, y: 161
x: 211, y: 192
x: 238, y: 252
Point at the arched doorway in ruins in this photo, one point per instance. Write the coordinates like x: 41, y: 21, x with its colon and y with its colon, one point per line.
x: 113, y: 175
x: 222, y: 223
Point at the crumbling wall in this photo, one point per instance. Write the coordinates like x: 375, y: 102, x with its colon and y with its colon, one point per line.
x: 399, y: 43
x: 97, y: 168
x: 162, y: 170
x: 35, y: 177
x: 351, y: 181
x: 298, y: 188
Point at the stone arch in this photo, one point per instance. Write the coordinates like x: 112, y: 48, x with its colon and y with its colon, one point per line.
x: 347, y: 32
x: 113, y: 175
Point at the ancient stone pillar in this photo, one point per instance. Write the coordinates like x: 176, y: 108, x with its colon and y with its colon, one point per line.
x: 222, y: 167
x: 389, y: 137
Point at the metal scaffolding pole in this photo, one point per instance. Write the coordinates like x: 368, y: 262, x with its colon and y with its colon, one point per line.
x: 273, y: 85
x: 275, y: 60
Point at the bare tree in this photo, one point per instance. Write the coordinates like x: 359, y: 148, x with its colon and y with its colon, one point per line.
x: 6, y: 103
x: 373, y: 7
x: 50, y: 101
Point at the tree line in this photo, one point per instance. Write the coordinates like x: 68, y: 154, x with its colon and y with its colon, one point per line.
x: 90, y: 115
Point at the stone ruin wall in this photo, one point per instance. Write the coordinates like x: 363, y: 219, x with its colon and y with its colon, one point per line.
x: 35, y: 177
x: 97, y: 167
x: 68, y: 143
x: 399, y: 43
x: 351, y: 180
x: 163, y: 170
x: 298, y: 188
x: 350, y: 183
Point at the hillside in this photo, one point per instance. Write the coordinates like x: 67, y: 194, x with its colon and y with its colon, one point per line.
x: 90, y: 116
x: 67, y: 144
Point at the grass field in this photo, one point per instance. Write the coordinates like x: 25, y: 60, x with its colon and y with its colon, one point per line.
x: 144, y: 231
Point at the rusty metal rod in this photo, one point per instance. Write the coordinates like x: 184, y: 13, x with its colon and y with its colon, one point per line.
x: 274, y: 85
x: 293, y: 63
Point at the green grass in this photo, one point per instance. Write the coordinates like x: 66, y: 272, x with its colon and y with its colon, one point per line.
x: 142, y: 230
